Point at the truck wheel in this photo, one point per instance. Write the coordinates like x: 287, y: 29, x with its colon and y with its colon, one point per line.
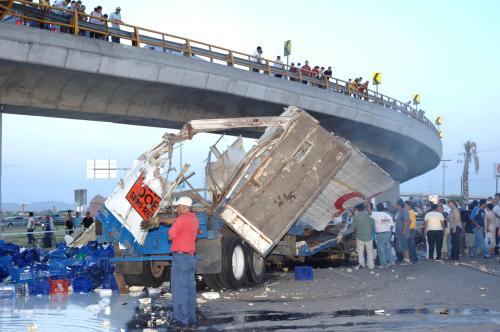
x: 234, y: 267
x: 153, y: 275
x: 256, y: 266
x: 133, y: 279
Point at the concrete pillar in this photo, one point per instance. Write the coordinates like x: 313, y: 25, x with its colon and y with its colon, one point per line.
x: 390, y: 195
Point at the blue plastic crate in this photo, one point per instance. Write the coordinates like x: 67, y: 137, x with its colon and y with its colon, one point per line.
x: 106, y: 265
x: 22, y: 275
x: 57, y: 268
x: 82, y: 284
x: 7, y: 291
x: 303, y: 273
x: 6, y: 264
x: 109, y: 282
x: 39, y: 286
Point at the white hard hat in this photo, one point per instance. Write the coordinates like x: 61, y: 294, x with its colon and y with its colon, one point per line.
x: 184, y: 200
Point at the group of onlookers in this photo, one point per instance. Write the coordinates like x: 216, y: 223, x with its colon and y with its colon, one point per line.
x: 71, y: 224
x: 448, y: 230
x: 96, y: 16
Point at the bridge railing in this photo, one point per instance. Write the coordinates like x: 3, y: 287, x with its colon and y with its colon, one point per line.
x: 78, y: 23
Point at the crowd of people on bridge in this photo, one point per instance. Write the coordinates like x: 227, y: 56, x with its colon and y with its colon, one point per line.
x: 448, y: 230
x: 64, y: 8
x: 317, y: 76
x: 320, y: 77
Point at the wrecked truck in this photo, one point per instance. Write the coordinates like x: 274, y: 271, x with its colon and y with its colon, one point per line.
x: 281, y: 199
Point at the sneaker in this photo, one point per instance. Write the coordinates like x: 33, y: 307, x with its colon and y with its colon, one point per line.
x: 359, y: 267
x: 404, y: 263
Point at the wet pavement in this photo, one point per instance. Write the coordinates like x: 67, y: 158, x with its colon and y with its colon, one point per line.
x: 429, y: 295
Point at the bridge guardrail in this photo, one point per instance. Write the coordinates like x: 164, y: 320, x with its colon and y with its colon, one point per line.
x: 70, y: 20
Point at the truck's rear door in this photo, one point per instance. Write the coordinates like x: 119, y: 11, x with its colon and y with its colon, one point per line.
x: 285, y: 183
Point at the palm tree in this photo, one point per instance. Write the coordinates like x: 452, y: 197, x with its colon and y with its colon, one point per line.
x: 469, y: 155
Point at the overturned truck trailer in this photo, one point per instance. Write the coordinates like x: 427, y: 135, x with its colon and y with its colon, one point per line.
x: 282, y: 198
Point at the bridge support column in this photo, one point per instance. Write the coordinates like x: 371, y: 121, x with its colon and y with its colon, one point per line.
x: 391, y: 195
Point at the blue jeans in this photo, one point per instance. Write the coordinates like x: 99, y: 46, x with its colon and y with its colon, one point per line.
x: 412, y: 247
x: 184, y: 288
x: 384, y: 248
x: 479, y: 242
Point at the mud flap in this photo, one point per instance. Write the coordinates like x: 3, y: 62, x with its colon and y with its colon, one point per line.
x: 209, y: 256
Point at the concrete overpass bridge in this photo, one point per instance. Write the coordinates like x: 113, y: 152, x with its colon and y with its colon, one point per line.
x: 53, y: 74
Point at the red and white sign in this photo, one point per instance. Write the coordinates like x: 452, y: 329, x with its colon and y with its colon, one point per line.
x: 496, y: 169
x: 144, y: 200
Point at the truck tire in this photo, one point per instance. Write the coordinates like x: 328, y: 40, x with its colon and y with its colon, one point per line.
x: 234, y: 266
x: 152, y: 275
x: 256, y: 266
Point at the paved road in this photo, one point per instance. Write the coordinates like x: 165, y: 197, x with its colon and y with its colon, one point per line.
x: 429, y: 295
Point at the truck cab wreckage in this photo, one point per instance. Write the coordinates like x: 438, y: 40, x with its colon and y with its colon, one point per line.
x: 284, y: 198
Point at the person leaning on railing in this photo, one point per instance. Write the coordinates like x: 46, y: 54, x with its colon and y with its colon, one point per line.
x: 96, y: 19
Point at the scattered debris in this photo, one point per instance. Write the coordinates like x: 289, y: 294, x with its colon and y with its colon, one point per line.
x: 200, y: 300
x: 349, y: 269
x: 145, y: 300
x: 482, y: 268
x: 444, y: 312
x: 33, y: 326
x: 106, y: 324
x: 250, y: 304
x: 104, y: 292
x: 379, y: 312
x: 107, y: 310
x: 210, y: 295
x: 285, y: 269
x: 427, y: 291
x: 410, y: 278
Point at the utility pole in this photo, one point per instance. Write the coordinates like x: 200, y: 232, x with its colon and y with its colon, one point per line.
x: 444, y: 161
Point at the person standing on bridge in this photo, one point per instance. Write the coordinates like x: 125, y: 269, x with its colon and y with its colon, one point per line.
x: 293, y: 72
x: 183, y: 236
x: 278, y: 64
x: 305, y: 71
x: 257, y: 58
x: 96, y: 19
x: 115, y: 18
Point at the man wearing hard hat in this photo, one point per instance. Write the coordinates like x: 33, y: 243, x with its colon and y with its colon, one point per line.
x: 183, y: 236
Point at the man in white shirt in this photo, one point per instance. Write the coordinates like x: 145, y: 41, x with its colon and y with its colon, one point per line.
x: 257, y: 58
x: 30, y: 228
x: 115, y: 18
x: 383, y: 230
x: 279, y: 65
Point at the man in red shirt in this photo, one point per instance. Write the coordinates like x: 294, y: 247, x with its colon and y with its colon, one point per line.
x: 305, y: 71
x: 183, y: 236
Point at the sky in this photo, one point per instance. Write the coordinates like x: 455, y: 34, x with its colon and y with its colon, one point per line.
x: 447, y: 51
